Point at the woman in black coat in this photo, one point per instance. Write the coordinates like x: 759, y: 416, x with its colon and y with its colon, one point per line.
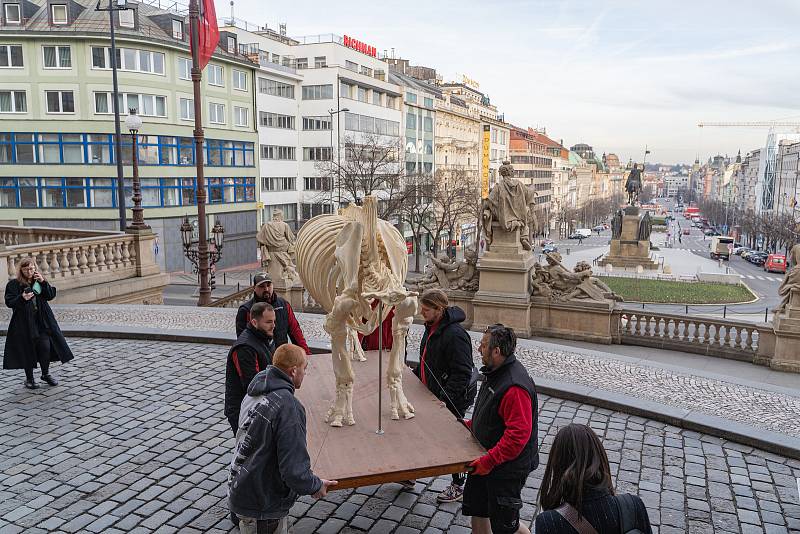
x: 34, y: 337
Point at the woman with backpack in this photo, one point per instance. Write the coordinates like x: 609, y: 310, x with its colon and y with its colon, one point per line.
x: 577, y: 494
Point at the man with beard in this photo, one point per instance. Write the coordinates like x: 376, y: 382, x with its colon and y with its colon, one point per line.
x: 286, y: 325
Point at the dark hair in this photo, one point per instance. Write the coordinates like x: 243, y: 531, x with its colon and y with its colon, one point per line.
x: 258, y: 309
x: 434, y: 298
x: 502, y: 337
x: 577, y: 459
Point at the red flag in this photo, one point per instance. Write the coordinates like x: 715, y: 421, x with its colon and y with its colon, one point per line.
x: 208, y: 35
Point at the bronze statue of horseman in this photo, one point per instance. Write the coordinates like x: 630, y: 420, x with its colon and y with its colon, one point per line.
x: 633, y: 185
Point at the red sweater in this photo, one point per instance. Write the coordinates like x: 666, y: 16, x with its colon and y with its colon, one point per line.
x: 295, y: 333
x: 516, y: 412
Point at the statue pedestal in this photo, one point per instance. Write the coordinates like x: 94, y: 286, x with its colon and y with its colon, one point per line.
x: 787, y: 336
x: 504, y: 290
x: 628, y: 251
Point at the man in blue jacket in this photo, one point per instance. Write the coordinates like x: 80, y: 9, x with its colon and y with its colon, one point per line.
x: 271, y: 467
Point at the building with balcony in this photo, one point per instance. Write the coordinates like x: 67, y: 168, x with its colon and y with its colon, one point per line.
x: 304, y: 85
x: 57, y: 146
x: 533, y: 166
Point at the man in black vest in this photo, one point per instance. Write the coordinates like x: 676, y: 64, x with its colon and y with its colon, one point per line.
x: 286, y: 325
x: 250, y: 354
x: 504, y: 422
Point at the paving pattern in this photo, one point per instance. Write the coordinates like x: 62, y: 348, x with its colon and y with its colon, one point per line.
x: 134, y: 441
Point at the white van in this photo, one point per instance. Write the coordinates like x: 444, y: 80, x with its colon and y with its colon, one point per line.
x: 585, y: 232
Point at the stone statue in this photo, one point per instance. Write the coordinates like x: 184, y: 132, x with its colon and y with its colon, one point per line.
x: 791, y: 279
x: 510, y: 204
x: 645, y: 227
x: 276, y: 242
x: 633, y: 185
x: 453, y: 274
x: 556, y: 282
x: 616, y: 224
x: 347, y: 262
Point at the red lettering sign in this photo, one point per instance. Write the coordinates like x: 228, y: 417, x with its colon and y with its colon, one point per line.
x: 357, y: 45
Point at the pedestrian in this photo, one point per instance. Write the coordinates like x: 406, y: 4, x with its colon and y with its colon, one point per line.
x: 577, y: 493
x: 446, y: 365
x: 33, y: 338
x: 504, y: 422
x: 271, y: 467
x: 286, y: 325
x: 249, y: 355
x: 580, y: 239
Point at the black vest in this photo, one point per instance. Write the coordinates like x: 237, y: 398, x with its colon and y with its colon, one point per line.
x: 489, y: 427
x: 263, y: 348
x: 258, y: 341
x: 281, y: 333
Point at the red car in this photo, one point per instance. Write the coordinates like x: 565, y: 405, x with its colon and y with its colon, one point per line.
x: 776, y: 263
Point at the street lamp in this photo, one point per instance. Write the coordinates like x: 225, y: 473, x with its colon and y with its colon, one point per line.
x: 133, y: 123
x: 116, y: 5
x: 191, y: 247
x: 332, y: 112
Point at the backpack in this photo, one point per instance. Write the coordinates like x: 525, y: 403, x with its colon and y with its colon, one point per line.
x: 626, y: 504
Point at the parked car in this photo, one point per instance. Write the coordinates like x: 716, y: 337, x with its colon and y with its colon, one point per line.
x: 581, y: 233
x: 712, y: 232
x: 686, y: 231
x: 746, y: 253
x: 758, y: 258
x: 549, y: 248
x: 599, y: 228
x: 776, y: 263
x: 738, y: 250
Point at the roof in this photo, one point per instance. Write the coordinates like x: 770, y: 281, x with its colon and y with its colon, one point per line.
x: 404, y: 80
x: 152, y: 23
x: 574, y: 158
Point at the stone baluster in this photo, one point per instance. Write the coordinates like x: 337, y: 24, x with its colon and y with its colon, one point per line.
x: 716, y: 334
x: 749, y: 343
x: 726, y: 341
x: 73, y: 261
x: 55, y: 264
x: 737, y: 341
x: 117, y: 254
x: 83, y: 261
x: 706, y: 333
x: 63, y: 254
x: 101, y: 256
x: 126, y: 254
x: 12, y: 267
x: 109, y: 256
x: 91, y: 260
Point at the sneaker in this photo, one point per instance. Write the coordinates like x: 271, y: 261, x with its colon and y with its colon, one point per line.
x: 31, y: 384
x: 408, y: 484
x: 451, y: 493
x: 50, y: 380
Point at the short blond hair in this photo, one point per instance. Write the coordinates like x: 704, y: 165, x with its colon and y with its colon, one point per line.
x: 288, y: 356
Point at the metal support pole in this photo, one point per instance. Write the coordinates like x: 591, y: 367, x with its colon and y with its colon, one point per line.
x: 766, y: 315
x: 725, y: 311
x: 380, y: 366
x: 118, y: 134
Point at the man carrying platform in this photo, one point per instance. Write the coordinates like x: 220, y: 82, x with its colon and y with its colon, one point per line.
x: 286, y: 325
x: 504, y: 422
x: 271, y: 466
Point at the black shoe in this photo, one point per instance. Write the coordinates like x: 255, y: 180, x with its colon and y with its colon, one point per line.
x: 31, y: 384
x: 50, y: 380
x: 234, y: 519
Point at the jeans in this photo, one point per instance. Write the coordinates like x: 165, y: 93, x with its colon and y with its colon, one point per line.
x: 42, y: 348
x: 263, y: 526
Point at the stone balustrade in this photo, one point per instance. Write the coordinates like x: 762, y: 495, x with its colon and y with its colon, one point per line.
x: 234, y: 300
x: 21, y: 235
x: 715, y: 337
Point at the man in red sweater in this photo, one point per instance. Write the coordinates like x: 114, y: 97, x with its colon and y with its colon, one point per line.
x: 504, y: 422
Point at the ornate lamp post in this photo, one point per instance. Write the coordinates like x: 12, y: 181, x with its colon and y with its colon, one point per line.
x: 191, y: 247
x: 133, y: 123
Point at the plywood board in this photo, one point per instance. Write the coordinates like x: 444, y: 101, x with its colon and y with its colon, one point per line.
x: 432, y: 443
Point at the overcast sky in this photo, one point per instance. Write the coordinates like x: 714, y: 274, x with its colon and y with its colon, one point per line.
x: 617, y: 75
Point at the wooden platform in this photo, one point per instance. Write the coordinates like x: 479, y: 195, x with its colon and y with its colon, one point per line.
x: 432, y: 443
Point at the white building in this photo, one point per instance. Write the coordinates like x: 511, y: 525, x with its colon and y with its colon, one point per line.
x: 674, y: 183
x: 313, y: 96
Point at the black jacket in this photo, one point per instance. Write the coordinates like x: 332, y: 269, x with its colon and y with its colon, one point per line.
x: 270, y: 466
x: 600, y: 509
x: 286, y: 325
x: 489, y: 427
x: 447, y: 362
x: 29, y: 320
x: 250, y: 354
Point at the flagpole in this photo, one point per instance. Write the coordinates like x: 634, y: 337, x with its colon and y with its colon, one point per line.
x: 202, y: 245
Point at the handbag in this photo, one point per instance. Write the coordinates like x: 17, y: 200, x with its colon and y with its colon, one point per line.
x: 578, y: 522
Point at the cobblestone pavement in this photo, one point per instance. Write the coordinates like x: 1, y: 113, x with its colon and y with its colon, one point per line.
x: 760, y: 408
x: 134, y: 441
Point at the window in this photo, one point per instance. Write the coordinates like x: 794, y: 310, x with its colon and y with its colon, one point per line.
x: 366, y: 71
x: 312, y: 210
x: 13, y: 102
x: 11, y: 56
x: 275, y: 88
x: 177, y: 29
x: 428, y: 124
x: 317, y: 153
x: 271, y: 183
x: 276, y: 120
x: 231, y: 44
x: 494, y: 135
x: 215, y: 75
x: 277, y: 152
x: 58, y: 14
x: 317, y: 92
x: 129, y: 59
x: 126, y: 18
x: 216, y: 113
x: 428, y: 103
x: 391, y: 102
x: 376, y: 97
x: 187, y: 108
x: 13, y: 14
x: 350, y: 65
x: 302, y: 63
x: 320, y: 62
x: 146, y: 105
x: 316, y: 183
x: 184, y: 68
x: 239, y: 80
x: 317, y: 123
x: 57, y: 57
x: 362, y: 94
x: 240, y: 116
x: 60, y: 101
x: 344, y: 90
x: 411, y: 121
x: 362, y: 123
x: 411, y: 98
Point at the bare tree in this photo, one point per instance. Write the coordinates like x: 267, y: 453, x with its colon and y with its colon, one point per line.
x: 415, y: 209
x: 454, y: 197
